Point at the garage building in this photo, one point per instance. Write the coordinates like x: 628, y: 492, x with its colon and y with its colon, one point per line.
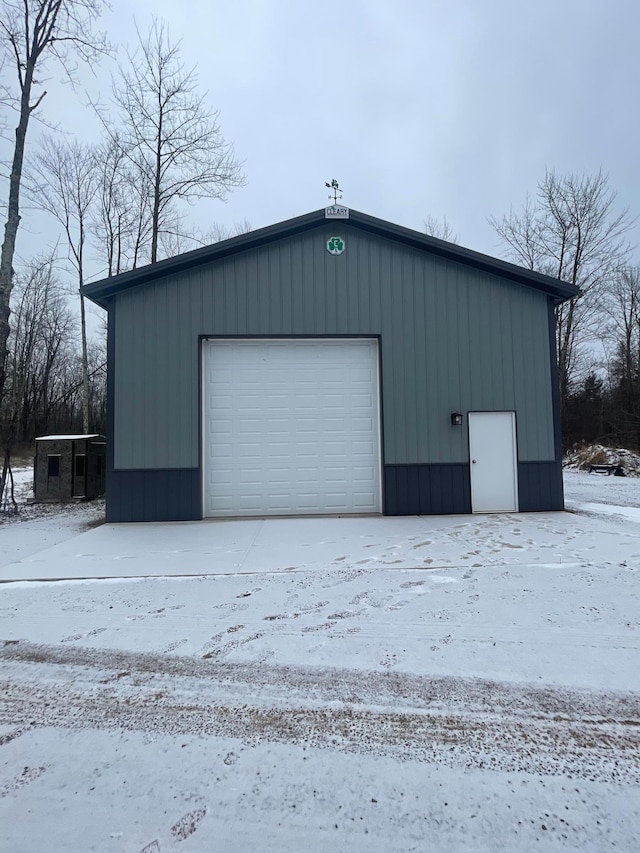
x: 331, y: 364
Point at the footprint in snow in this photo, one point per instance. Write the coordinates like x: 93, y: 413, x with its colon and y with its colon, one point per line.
x: 9, y: 736
x: 29, y: 774
x: 173, y: 646
x: 187, y: 824
x: 248, y: 593
x: 398, y: 605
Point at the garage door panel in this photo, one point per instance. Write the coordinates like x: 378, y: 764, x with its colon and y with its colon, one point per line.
x: 290, y: 427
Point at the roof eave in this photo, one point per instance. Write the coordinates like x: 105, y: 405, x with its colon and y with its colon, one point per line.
x: 102, y: 291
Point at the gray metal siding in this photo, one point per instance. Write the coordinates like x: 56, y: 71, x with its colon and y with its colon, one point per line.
x: 452, y: 339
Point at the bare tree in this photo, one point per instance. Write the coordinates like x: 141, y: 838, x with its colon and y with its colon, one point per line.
x: 168, y: 133
x: 118, y: 225
x: 623, y: 333
x: 572, y: 232
x: 177, y: 237
x: 440, y: 228
x: 65, y: 184
x: 33, y: 32
x: 218, y: 233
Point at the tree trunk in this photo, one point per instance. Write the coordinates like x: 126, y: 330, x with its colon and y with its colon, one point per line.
x: 11, y: 225
x: 157, y: 180
x: 85, y: 370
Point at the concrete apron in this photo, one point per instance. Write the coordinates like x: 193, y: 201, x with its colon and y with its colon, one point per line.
x: 302, y: 544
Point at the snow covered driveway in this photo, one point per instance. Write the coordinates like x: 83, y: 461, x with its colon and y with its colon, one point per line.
x: 467, y: 683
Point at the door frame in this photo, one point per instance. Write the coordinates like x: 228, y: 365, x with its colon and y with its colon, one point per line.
x: 514, y: 448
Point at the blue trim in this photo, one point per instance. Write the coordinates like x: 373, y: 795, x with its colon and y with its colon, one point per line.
x: 540, y: 486
x: 111, y: 360
x: 442, y: 489
x: 169, y: 494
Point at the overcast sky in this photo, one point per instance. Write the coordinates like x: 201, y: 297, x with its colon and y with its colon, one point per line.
x: 435, y: 107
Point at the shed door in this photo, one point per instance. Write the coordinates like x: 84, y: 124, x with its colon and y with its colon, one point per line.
x: 79, y: 473
x: 290, y: 427
x: 493, y: 455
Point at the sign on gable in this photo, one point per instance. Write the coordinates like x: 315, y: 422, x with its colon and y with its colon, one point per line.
x: 336, y: 211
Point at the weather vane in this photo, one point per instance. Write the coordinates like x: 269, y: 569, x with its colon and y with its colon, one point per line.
x: 335, y: 189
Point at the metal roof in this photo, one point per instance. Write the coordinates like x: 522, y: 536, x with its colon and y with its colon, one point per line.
x: 101, y: 292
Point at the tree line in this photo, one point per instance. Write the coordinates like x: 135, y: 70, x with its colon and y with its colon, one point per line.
x: 119, y: 200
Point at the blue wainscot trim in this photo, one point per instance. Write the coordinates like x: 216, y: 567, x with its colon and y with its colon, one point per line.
x: 427, y: 489
x: 540, y: 486
x: 170, y: 494
x: 175, y: 494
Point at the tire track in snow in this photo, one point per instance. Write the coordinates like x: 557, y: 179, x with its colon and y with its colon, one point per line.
x: 458, y: 722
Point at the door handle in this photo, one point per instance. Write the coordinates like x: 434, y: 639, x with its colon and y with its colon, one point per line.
x: 474, y: 461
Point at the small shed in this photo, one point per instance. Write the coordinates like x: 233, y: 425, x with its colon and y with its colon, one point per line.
x: 69, y: 467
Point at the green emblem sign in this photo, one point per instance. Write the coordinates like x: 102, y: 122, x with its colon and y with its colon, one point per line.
x: 335, y: 245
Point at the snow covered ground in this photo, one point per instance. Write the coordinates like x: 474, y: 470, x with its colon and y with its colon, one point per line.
x: 460, y: 683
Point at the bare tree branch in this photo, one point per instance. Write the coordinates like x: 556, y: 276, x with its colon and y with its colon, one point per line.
x: 440, y: 228
x: 32, y: 32
x: 572, y: 232
x: 64, y: 184
x: 166, y: 131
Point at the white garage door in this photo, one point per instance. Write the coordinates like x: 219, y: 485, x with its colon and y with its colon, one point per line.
x: 290, y: 427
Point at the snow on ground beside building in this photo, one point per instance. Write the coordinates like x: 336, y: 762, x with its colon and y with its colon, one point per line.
x: 463, y: 683
x: 39, y: 526
x: 580, y: 488
x: 22, y: 485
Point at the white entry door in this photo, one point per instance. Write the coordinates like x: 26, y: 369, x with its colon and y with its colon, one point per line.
x: 493, y: 457
x: 290, y: 427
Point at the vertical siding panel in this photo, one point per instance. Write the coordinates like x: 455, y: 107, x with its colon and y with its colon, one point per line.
x: 456, y: 321
x: 438, y: 357
x: 506, y: 332
x: 211, y: 300
x: 463, y: 315
x: 475, y: 365
x: 375, y: 291
x: 403, y: 326
x: 165, y: 369
x: 392, y: 448
x: 447, y: 377
x: 286, y: 307
x: 189, y: 374
x: 147, y: 439
x: 306, y: 285
x: 157, y: 417
x: 418, y: 323
x: 253, y: 319
x: 500, y: 347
